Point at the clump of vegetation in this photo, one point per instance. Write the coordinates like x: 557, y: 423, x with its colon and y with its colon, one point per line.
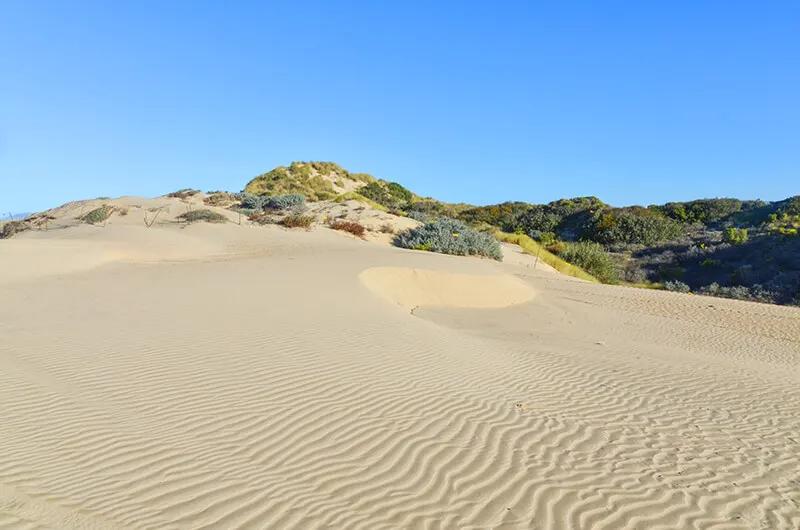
x: 448, y: 236
x: 389, y: 194
x: 98, y: 215
x: 207, y: 216
x: 592, y: 258
x: 284, y: 202
x: 355, y: 196
x: 735, y: 236
x: 261, y: 218
x: 756, y: 293
x: 183, y: 194
x: 386, y: 228
x: 632, y: 226
x: 351, y: 227
x: 298, y: 220
x: 12, y: 228
x: 314, y: 180
x: 677, y: 286
x: 220, y: 198
x: 532, y: 247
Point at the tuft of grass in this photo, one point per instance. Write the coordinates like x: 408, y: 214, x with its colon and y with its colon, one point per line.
x: 530, y: 246
x: 297, y: 220
x: 98, y: 215
x: 351, y: 227
x: 206, y: 216
x: 386, y: 228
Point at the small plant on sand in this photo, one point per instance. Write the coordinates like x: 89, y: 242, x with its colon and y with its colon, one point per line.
x: 183, y: 194
x: 386, y: 228
x: 297, y: 220
x: 262, y: 218
x: 450, y: 237
x: 351, y: 227
x: 206, y: 216
x: 12, y: 228
x: 98, y: 215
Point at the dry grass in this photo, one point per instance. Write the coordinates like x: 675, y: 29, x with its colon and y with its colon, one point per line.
x: 297, y: 220
x: 351, y: 227
x: 183, y: 194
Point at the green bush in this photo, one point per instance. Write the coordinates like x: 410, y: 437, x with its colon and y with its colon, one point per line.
x: 283, y: 202
x: 98, y: 215
x: 448, y: 236
x: 677, y: 286
x: 389, y: 194
x: 206, y: 216
x: 11, y: 228
x: 592, y: 258
x: 634, y: 226
x: 735, y: 236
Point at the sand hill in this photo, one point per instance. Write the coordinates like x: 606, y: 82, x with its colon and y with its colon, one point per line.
x: 237, y: 376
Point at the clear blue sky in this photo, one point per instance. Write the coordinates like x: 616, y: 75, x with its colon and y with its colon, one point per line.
x: 481, y: 102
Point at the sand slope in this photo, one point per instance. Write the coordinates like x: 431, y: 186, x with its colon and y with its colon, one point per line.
x: 259, y: 382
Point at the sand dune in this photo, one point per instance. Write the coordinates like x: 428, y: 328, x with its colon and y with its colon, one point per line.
x: 236, y: 377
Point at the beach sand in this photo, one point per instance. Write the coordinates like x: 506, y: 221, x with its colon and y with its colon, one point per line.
x: 224, y: 376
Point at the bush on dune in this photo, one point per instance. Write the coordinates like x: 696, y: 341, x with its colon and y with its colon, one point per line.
x: 206, y: 216
x: 11, y: 228
x: 297, y: 220
x: 351, y: 227
x: 448, y: 236
x: 98, y: 215
x: 592, y: 258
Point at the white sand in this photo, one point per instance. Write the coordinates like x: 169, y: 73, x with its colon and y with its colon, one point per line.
x: 223, y: 376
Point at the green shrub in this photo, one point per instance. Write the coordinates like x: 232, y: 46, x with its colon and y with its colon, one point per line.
x: 677, y: 286
x: 98, y: 215
x: 529, y: 246
x: 389, y: 194
x: 206, y: 216
x: 632, y: 226
x: 283, y: 202
x: 756, y: 293
x: 251, y: 201
x: 297, y: 220
x: 592, y: 258
x: 11, y: 228
x: 448, y: 236
x: 735, y: 236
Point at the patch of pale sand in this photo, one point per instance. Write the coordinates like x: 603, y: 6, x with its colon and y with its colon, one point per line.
x: 280, y: 392
x: 411, y: 288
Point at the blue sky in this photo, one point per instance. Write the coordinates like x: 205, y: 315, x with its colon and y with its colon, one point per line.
x: 480, y: 102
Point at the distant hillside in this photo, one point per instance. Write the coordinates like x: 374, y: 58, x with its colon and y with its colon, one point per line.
x: 745, y: 249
